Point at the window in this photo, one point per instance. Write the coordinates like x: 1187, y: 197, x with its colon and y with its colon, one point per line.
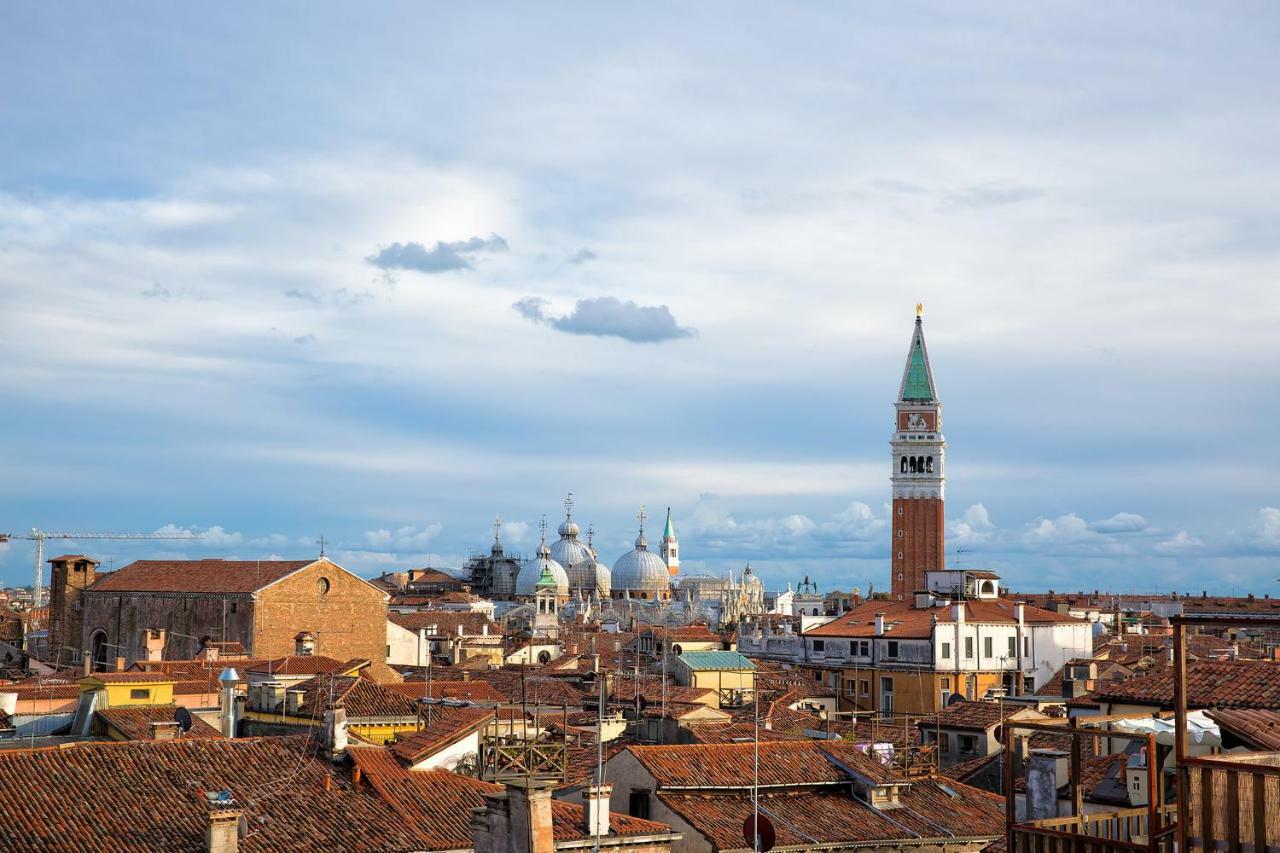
x: 235, y: 605
x: 968, y: 744
x: 946, y: 651
x: 817, y: 676
x: 388, y: 651
x: 1013, y: 647
x: 140, y: 693
x: 892, y: 648
x: 987, y: 649
x: 861, y: 648
x: 1026, y: 647
x: 638, y: 804
x: 820, y: 646
x: 851, y: 687
x: 944, y: 741
x: 864, y: 687
x: 968, y: 647
x: 322, y: 585
x: 886, y: 684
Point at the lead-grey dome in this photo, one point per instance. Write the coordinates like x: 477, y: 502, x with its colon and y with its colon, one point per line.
x: 531, y: 570
x: 641, y: 570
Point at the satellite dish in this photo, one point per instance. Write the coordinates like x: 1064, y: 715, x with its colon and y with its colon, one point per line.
x: 183, y: 716
x: 764, y: 831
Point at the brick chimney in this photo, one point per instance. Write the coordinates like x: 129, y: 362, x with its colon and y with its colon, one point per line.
x: 595, y: 810
x: 222, y: 835
x: 155, y: 638
x: 120, y: 664
x: 530, y: 817
x: 165, y: 730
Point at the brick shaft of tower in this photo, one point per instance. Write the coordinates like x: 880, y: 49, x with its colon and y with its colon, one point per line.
x: 918, y: 474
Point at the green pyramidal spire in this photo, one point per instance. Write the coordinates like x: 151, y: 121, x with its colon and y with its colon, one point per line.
x: 670, y: 532
x: 917, y: 379
x: 546, y: 578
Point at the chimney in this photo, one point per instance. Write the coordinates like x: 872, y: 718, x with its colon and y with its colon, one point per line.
x: 595, y: 810
x: 120, y: 664
x: 227, y: 680
x: 87, y: 658
x: 530, y: 817
x: 155, y: 644
x: 1020, y: 613
x: 223, y: 832
x: 1046, y: 768
x: 292, y: 700
x: 459, y: 629
x: 484, y: 629
x: 424, y: 647
x: 957, y: 613
x: 879, y: 624
x: 165, y: 730
x: 335, y: 732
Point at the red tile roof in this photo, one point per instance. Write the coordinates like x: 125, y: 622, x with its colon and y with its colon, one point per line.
x: 129, y: 677
x: 781, y: 764
x: 453, y: 725
x: 710, y: 733
x: 208, y: 576
x: 473, y: 691
x: 972, y: 715
x: 1259, y: 729
x: 905, y: 620
x: 437, y: 804
x: 446, y: 622
x: 135, y: 723
x: 143, y: 796
x: 360, y: 697
x: 537, y: 690
x: 301, y: 665
x: 831, y: 817
x: 1210, y: 684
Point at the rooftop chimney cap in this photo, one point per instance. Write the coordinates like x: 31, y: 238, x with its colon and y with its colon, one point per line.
x: 229, y: 676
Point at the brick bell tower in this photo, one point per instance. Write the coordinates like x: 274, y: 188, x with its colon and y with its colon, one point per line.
x: 919, y: 450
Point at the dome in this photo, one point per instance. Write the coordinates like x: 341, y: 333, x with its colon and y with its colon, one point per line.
x: 569, y: 528
x: 641, y: 570
x: 527, y: 580
x: 590, y: 575
x: 749, y: 578
x: 567, y: 550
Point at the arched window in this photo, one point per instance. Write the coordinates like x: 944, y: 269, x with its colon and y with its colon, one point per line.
x: 912, y: 465
x: 815, y: 611
x: 98, y: 649
x: 544, y: 656
x: 920, y: 464
x: 904, y: 465
x: 928, y: 464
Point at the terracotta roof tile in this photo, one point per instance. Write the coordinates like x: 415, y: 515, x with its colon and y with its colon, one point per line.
x: 972, y: 715
x: 446, y: 622
x: 1259, y: 729
x: 781, y: 764
x: 450, y: 727
x: 143, y: 796
x: 473, y: 691
x: 1210, y: 684
x: 301, y: 665
x: 358, y: 696
x: 910, y: 622
x: 537, y: 690
x: 135, y: 723
x: 208, y: 576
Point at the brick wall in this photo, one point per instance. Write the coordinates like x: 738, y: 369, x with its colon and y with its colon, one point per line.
x: 186, y: 617
x: 349, y: 618
x: 921, y: 545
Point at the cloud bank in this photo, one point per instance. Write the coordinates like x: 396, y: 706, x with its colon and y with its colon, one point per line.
x: 607, y: 316
x: 443, y: 257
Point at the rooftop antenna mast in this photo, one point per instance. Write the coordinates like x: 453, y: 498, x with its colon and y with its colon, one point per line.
x: 39, y: 537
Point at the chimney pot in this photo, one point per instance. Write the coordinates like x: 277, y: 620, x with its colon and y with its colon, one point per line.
x: 165, y: 730
x: 223, y: 832
x: 595, y: 811
x: 120, y: 664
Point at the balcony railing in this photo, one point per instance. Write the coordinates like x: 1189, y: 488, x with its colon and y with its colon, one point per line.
x: 1123, y: 830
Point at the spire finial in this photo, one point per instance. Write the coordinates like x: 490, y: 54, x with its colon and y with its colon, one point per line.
x: 919, y: 310
x: 591, y: 533
x: 542, y: 525
x: 497, y: 529
x: 640, y: 516
x: 568, y: 505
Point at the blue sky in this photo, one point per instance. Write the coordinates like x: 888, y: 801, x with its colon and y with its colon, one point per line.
x: 383, y: 273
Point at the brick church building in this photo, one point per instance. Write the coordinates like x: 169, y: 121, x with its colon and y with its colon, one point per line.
x: 263, y: 605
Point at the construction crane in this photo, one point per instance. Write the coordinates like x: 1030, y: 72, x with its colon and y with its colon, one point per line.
x: 39, y: 537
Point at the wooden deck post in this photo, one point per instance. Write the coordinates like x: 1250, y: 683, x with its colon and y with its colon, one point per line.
x: 1181, y: 772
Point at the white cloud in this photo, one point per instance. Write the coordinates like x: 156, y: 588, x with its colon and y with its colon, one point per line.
x: 1178, y: 543
x: 207, y: 537
x: 974, y: 527
x: 1121, y: 522
x: 403, y: 538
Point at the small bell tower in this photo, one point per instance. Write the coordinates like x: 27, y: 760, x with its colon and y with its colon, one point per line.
x: 670, y: 547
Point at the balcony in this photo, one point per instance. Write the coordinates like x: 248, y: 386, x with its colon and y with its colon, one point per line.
x: 1123, y: 830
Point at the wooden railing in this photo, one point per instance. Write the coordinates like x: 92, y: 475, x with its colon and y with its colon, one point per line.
x: 1234, y: 801
x: 1122, y: 830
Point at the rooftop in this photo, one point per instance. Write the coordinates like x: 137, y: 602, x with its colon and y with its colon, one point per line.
x: 903, y: 619
x: 717, y: 660
x: 209, y: 576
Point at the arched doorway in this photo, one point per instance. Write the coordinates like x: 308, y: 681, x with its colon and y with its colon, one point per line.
x: 98, y: 650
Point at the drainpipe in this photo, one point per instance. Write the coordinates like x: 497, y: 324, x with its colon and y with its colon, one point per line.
x: 1019, y: 613
x: 957, y: 620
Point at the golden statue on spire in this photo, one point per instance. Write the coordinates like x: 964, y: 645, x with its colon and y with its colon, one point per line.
x: 919, y: 309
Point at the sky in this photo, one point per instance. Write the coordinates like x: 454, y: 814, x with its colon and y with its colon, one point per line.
x: 382, y: 273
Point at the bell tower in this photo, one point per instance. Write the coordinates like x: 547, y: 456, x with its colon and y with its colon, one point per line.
x: 919, y: 466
